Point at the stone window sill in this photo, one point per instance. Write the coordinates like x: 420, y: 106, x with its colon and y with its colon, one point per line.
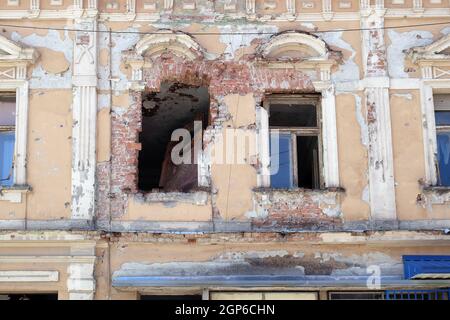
x: 299, y: 190
x: 441, y: 189
x: 297, y: 208
x: 437, y: 194
x: 13, y: 194
x: 197, y: 197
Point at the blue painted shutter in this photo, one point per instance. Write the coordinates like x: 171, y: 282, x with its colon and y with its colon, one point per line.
x: 7, y: 140
x: 414, y: 265
x: 416, y: 294
x: 443, y: 142
x: 281, y: 161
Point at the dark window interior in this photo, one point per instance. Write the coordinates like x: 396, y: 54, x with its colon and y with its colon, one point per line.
x: 176, y: 106
x: 31, y: 296
x: 298, y: 144
x: 7, y: 109
x: 171, y: 298
x: 443, y: 143
x: 292, y: 115
x: 356, y: 296
x: 307, y: 162
x: 442, y: 117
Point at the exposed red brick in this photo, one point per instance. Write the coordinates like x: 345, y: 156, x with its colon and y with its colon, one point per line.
x: 221, y: 77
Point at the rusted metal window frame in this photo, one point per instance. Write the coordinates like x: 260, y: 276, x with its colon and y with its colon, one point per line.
x: 300, y: 99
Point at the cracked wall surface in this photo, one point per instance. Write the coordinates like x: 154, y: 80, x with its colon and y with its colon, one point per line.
x: 327, y: 232
x: 51, y: 76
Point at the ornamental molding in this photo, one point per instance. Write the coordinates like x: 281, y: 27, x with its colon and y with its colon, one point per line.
x: 13, y: 54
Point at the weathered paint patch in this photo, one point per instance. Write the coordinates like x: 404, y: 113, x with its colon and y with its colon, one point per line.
x: 234, y: 43
x: 41, y: 78
x: 269, y: 262
x: 361, y: 121
x: 400, y: 43
x: 407, y: 96
x: 120, y: 42
x: 299, y: 209
x: 349, y: 70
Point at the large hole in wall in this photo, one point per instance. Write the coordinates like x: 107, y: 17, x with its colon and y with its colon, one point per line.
x: 176, y: 106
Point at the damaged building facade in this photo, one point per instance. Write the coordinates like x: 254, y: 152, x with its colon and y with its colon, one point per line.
x: 348, y: 99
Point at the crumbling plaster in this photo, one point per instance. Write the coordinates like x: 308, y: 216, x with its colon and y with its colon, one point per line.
x: 49, y: 154
x: 344, y: 73
x: 258, y: 259
x: 224, y: 79
x: 58, y: 46
x: 353, y: 143
x: 187, y: 250
x: 400, y: 42
x: 53, y: 71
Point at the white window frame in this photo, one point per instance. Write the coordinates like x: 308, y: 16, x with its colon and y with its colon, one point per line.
x: 321, y: 65
x: 428, y: 89
x: 440, y: 128
x: 13, y: 77
x: 330, y: 154
x: 435, y: 79
x: 300, y: 131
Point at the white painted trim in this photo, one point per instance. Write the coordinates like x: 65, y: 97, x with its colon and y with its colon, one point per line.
x: 59, y: 236
x: 404, y: 83
x: 429, y: 58
x: 12, y: 3
x: 81, y: 281
x: 75, y: 12
x: 263, y: 146
x: 34, y: 5
x: 20, y: 165
x: 287, y: 39
x: 250, y: 7
x: 153, y: 17
x: 47, y: 259
x: 29, y: 276
x: 290, y: 6
x: 85, y: 121
x: 91, y: 4
x: 381, y: 159
x: 427, y: 89
x: 329, y: 138
x: 131, y: 6
x: 179, y: 44
x: 376, y: 92
x: 429, y: 133
x: 13, y: 195
x: 18, y: 58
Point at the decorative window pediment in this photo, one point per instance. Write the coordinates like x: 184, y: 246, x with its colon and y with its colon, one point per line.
x: 178, y: 43
x: 434, y: 63
x: 433, y: 59
x: 164, y: 42
x: 14, y: 60
x: 293, y: 45
x: 439, y: 50
x: 302, y: 50
x: 12, y: 53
